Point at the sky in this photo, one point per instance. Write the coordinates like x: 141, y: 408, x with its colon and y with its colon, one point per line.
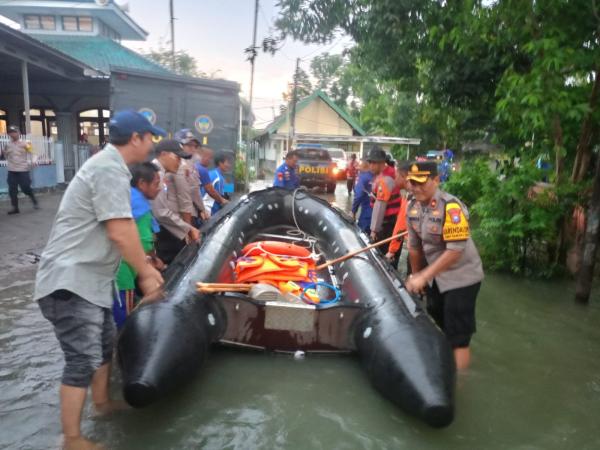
x: 216, y: 32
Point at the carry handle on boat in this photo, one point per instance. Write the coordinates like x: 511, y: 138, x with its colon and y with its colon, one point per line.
x: 361, y: 250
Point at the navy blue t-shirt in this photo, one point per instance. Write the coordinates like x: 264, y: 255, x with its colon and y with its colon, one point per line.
x: 204, y: 177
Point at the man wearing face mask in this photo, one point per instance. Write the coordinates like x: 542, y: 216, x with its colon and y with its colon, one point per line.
x: 443, y: 258
x: 174, y: 232
x: 187, y: 180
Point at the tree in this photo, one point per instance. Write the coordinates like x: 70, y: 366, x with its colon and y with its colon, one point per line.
x: 331, y: 75
x: 508, y: 69
x: 304, y: 88
x: 185, y: 64
x: 521, y: 73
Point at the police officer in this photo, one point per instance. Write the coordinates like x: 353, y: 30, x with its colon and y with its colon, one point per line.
x: 443, y: 256
x: 17, y: 156
x: 285, y: 175
x: 174, y: 231
x: 387, y: 200
x: 187, y: 181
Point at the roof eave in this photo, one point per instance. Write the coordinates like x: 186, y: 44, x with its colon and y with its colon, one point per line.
x: 86, y: 70
x: 141, y: 33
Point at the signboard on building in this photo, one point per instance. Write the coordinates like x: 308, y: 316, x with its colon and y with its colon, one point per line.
x: 203, y: 124
x: 148, y: 114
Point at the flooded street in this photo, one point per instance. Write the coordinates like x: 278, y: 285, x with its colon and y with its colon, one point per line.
x: 534, y: 381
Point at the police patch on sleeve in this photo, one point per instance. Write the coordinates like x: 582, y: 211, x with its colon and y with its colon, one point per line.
x: 456, y: 225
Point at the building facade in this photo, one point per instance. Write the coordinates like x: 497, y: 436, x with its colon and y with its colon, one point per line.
x: 65, y: 72
x: 319, y: 120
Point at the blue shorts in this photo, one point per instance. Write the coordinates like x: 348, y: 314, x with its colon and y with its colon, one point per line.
x: 123, y: 306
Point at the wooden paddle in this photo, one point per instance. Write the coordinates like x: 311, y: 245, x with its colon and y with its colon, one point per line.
x: 209, y: 288
x: 362, y: 250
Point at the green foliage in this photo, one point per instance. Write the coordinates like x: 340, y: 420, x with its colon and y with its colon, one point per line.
x: 185, y: 64
x: 304, y: 88
x: 468, y: 183
x: 511, y: 71
x: 514, y: 227
x: 239, y: 171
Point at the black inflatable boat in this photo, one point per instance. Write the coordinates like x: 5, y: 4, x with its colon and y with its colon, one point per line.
x: 407, y: 358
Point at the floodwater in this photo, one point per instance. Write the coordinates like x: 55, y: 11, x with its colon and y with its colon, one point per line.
x: 534, y: 384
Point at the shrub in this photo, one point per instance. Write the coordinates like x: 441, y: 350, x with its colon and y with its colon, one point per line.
x: 515, y: 226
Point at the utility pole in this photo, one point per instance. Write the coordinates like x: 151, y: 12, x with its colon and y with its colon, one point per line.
x: 173, y: 64
x: 292, y: 130
x: 249, y: 130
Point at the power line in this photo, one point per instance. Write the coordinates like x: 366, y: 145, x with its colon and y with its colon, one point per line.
x: 323, y: 50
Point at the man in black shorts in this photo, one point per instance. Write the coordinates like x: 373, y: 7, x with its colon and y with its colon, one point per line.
x: 443, y: 256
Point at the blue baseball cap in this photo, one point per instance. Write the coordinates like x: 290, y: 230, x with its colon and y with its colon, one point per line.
x: 186, y: 136
x: 125, y: 123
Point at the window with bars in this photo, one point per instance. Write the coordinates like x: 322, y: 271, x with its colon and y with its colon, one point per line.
x: 36, y: 22
x: 77, y: 23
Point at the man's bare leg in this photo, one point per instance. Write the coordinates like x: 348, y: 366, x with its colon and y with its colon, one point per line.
x: 100, y: 385
x: 462, y: 356
x: 101, y: 394
x: 72, y: 400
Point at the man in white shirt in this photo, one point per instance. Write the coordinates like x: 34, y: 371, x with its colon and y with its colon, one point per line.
x: 17, y: 157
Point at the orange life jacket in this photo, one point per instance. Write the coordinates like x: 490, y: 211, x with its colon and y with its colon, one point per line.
x: 275, y: 248
x: 393, y: 198
x: 273, y: 261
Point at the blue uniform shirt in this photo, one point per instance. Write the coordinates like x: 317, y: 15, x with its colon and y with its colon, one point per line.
x: 204, y: 177
x: 286, y: 177
x: 218, y: 182
x: 362, y: 199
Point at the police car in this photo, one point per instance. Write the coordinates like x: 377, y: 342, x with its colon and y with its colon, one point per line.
x: 316, y: 168
x: 339, y: 157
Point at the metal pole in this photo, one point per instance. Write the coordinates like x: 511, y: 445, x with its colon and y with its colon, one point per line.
x: 240, y: 127
x: 173, y: 63
x: 25, y: 77
x: 249, y: 130
x: 27, y: 106
x: 294, y: 101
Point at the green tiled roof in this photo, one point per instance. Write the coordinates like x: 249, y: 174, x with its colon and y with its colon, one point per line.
x: 101, y: 53
x: 279, y: 121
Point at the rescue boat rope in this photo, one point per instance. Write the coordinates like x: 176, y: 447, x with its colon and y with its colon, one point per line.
x: 312, y: 241
x: 336, y: 298
x: 297, y: 233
